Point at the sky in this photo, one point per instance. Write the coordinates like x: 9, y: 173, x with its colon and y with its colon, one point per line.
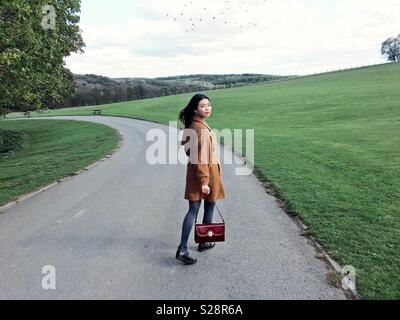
x: 156, y: 38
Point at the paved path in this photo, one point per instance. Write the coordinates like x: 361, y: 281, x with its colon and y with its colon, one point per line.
x: 112, y: 232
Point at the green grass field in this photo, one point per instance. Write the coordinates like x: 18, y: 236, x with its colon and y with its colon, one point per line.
x: 50, y: 150
x: 330, y: 146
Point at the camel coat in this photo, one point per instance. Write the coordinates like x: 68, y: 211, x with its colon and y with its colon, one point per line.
x: 208, y: 170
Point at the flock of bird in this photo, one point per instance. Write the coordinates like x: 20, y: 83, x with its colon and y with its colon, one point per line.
x: 197, y: 13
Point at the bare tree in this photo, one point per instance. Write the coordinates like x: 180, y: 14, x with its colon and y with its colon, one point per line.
x: 391, y: 48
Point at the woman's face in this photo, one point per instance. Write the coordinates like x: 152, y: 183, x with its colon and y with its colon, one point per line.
x: 204, y: 108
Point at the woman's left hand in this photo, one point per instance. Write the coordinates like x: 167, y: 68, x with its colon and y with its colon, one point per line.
x: 205, y: 189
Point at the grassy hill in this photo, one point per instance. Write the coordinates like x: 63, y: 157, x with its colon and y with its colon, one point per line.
x: 330, y: 146
x: 36, y: 153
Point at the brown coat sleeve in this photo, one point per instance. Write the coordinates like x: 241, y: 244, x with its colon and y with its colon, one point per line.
x: 204, y: 163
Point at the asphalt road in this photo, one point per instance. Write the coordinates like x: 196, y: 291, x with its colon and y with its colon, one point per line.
x: 112, y: 233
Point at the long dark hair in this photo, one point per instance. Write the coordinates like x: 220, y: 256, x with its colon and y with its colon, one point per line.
x: 187, y: 113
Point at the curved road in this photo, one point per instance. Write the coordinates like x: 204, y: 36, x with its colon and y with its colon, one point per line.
x: 112, y: 233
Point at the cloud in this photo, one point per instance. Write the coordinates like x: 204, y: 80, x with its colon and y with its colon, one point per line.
x: 277, y: 36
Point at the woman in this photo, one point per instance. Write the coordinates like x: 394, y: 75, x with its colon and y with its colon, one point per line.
x: 203, y: 177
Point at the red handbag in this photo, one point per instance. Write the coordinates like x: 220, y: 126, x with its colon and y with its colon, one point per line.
x: 210, y: 232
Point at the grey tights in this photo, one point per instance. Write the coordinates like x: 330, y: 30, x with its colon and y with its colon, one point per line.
x: 188, y: 222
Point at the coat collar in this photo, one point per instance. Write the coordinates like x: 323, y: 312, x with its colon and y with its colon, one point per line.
x: 197, y: 118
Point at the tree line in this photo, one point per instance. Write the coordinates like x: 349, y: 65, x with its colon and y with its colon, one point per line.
x: 96, y: 90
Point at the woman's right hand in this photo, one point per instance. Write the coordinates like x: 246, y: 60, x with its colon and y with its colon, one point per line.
x: 205, y: 189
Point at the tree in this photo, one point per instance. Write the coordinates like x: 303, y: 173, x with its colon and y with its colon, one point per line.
x: 34, y: 40
x: 391, y: 48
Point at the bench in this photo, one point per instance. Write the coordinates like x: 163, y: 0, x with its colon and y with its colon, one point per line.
x: 97, y: 112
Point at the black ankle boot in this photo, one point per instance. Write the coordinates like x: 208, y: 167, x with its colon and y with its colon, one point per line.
x: 206, y: 246
x: 183, y: 255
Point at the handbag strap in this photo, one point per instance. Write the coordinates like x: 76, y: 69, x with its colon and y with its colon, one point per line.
x: 219, y: 214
